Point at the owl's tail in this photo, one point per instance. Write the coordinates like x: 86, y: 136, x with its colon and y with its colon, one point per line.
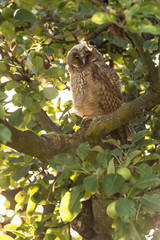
x: 124, y: 133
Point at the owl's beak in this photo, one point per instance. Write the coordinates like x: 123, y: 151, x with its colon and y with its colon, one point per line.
x: 84, y: 61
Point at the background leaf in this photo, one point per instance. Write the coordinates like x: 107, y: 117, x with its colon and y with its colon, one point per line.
x: 147, y: 180
x: 152, y: 201
x: 125, y: 208
x: 91, y: 183
x: 25, y: 15
x: 16, y: 118
x: 5, y: 133
x: 112, y: 183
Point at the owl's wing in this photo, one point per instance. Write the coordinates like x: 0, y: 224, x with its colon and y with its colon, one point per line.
x: 110, y: 87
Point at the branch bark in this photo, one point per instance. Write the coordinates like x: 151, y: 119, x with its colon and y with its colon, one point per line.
x: 147, y: 61
x: 102, y: 126
x: 46, y: 123
x: 93, y: 129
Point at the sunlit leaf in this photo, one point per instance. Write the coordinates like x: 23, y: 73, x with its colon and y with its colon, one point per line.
x: 11, y: 227
x: 7, y: 29
x: 31, y: 206
x: 70, y: 205
x: 149, y: 28
x: 102, y: 17
x: 5, y: 237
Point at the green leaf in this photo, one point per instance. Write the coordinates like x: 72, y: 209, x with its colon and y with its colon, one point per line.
x: 112, y: 183
x: 70, y: 205
x: 37, y: 193
x: 34, y: 107
x: 91, y: 184
x: 5, y: 237
x: 31, y: 206
x: 111, y: 167
x: 64, y: 161
x: 144, y: 169
x: 125, y: 3
x: 152, y: 201
x: 125, y: 208
x: 11, y: 227
x: 5, y: 133
x: 115, y: 142
x: 102, y: 17
x: 138, y: 136
x: 2, y: 112
x: 147, y: 180
x: 50, y: 93
x: 149, y: 28
x: 21, y: 172
x: 11, y: 84
x: 37, y: 62
x: 103, y: 158
x: 89, y: 167
x: 56, y: 72
x: 7, y: 29
x: 82, y: 150
x: 3, y: 95
x: 151, y: 45
x: 48, y: 50
x: 16, y: 118
x: 24, y: 15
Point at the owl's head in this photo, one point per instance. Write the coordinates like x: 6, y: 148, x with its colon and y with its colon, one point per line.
x: 82, y: 54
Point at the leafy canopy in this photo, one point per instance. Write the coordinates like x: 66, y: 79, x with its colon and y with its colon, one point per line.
x: 35, y: 37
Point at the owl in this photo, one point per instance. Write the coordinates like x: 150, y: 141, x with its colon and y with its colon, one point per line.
x: 96, y: 88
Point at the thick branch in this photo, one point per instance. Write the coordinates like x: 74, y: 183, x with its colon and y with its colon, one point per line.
x: 102, y: 126
x: 44, y: 146
x: 46, y: 123
x: 147, y: 61
x: 93, y: 129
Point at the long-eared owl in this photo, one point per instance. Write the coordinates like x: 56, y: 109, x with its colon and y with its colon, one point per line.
x: 96, y: 88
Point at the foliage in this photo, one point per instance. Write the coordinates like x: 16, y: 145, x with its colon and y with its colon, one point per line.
x: 35, y: 37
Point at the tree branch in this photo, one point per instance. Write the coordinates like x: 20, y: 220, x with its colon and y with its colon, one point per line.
x: 103, y: 125
x: 76, y: 17
x: 98, y: 30
x: 147, y: 61
x: 93, y: 129
x: 45, y: 146
x: 46, y: 123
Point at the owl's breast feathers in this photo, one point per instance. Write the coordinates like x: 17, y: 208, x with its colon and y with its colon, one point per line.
x: 96, y: 89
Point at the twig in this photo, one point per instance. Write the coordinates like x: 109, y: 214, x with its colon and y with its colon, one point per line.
x: 99, y: 4
x: 46, y: 123
x: 64, y: 84
x: 67, y: 21
x: 99, y: 30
